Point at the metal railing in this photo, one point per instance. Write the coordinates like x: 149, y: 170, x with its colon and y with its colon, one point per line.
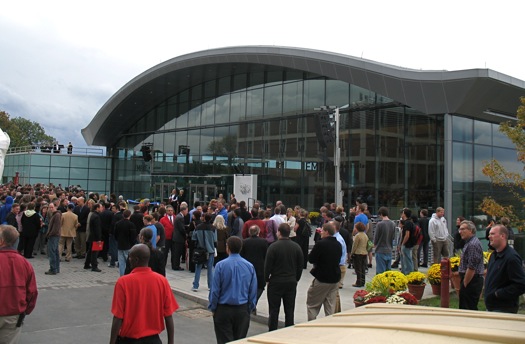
x: 59, y: 150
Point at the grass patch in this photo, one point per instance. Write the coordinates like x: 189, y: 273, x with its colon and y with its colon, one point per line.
x: 454, y: 303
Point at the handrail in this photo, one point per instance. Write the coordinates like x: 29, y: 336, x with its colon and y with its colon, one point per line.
x: 55, y: 151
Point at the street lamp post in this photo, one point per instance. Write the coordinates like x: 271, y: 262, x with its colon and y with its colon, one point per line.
x: 338, y: 193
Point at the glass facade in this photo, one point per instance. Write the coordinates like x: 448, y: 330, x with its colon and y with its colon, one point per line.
x: 91, y: 173
x: 474, y: 144
x: 264, y: 123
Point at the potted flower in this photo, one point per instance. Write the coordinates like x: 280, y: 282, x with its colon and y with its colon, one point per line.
x: 416, y: 283
x: 388, y: 282
x: 402, y: 297
x: 454, y: 276
x: 434, y: 278
x: 360, y: 297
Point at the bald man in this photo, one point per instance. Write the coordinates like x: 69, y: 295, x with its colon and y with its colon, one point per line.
x: 136, y: 317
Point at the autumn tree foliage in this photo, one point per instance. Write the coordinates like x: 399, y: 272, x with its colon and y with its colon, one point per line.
x: 511, y: 181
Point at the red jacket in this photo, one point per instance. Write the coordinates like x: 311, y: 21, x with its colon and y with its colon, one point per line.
x: 168, y: 226
x: 18, y: 291
x: 251, y: 222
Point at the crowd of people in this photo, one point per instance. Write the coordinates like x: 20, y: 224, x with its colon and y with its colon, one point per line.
x: 244, y: 251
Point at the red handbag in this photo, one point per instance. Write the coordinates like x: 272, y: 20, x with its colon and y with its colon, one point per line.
x: 97, y: 246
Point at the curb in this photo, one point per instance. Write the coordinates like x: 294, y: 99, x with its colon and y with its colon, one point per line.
x: 261, y: 319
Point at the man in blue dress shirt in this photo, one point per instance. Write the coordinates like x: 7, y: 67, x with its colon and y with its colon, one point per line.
x: 233, y: 294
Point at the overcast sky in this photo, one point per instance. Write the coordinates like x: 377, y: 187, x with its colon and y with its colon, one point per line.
x: 60, y: 61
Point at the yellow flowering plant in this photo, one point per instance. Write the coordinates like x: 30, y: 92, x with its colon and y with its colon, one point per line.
x: 416, y: 277
x: 434, y: 274
x: 486, y: 257
x: 454, y: 263
x: 313, y: 215
x: 388, y: 283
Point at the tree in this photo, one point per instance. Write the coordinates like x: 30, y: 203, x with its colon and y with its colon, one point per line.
x: 511, y: 181
x: 24, y: 132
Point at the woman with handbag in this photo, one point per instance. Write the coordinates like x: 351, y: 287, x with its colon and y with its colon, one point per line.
x: 205, y: 238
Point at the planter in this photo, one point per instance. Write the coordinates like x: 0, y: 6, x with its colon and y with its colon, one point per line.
x: 436, y: 289
x: 456, y: 281
x: 417, y: 290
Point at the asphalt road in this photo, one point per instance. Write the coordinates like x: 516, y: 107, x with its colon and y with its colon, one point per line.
x: 83, y: 315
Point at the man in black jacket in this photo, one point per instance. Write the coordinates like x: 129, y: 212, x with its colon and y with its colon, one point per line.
x: 254, y: 250
x: 95, y: 235
x: 505, y: 280
x: 282, y: 270
x: 179, y: 238
x: 325, y: 256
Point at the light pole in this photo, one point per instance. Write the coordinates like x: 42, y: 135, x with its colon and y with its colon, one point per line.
x: 338, y: 193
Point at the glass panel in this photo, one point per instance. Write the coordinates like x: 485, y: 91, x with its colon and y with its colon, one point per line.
x: 98, y: 186
x: 238, y: 106
x: 462, y: 166
x: 80, y: 162
x: 314, y: 94
x: 462, y: 129
x: 482, y: 133
x: 39, y: 172
x: 337, y: 92
x: 500, y: 139
x: 60, y: 161
x: 254, y: 103
x: 222, y: 109
x: 273, y: 100
x: 40, y: 160
x: 97, y: 174
x: 97, y: 162
x: 508, y: 159
x: 482, y: 155
x: 59, y: 172
x: 293, y: 97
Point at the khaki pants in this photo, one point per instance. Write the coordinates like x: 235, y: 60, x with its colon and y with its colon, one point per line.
x: 321, y: 294
x: 80, y: 243
x: 9, y: 333
x: 439, y: 248
x: 338, y: 299
x: 68, y: 241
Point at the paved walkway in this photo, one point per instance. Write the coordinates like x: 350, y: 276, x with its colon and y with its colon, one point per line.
x: 73, y: 275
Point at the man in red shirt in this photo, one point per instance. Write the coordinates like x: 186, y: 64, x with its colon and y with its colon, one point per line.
x: 254, y: 221
x: 168, y: 221
x: 18, y: 291
x: 136, y: 317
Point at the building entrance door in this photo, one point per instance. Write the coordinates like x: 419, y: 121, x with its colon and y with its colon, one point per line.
x: 202, y: 193
x: 162, y: 191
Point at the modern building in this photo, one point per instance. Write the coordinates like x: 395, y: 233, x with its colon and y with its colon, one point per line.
x: 407, y: 137
x: 84, y: 167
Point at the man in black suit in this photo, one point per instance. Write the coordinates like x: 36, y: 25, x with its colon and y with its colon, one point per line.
x: 179, y: 237
x: 254, y: 250
x: 325, y: 256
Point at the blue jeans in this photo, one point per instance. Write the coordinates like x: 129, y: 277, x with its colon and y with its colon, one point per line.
x: 113, y: 251
x: 52, y: 254
x: 198, y: 268
x: 407, y: 264
x: 122, y: 259
x: 383, y: 262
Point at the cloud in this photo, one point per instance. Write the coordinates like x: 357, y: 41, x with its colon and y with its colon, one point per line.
x: 58, y: 85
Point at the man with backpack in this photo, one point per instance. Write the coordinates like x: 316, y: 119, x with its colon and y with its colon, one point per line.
x: 418, y: 238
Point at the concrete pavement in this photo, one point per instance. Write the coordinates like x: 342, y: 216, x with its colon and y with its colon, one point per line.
x: 73, y: 275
